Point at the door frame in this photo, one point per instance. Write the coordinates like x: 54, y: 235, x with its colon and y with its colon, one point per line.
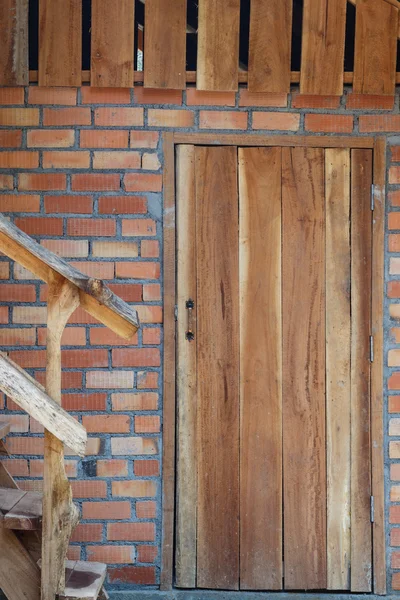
x: 378, y: 145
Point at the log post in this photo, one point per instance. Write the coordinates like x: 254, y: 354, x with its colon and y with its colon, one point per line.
x: 60, y: 515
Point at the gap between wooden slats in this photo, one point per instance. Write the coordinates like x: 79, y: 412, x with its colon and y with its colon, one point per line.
x: 14, y: 68
x: 338, y: 392
x: 270, y: 46
x: 322, y: 47
x: 186, y: 373
x: 260, y: 368
x: 375, y: 53
x: 112, y: 43
x: 60, y: 42
x: 165, y: 44
x: 218, y: 45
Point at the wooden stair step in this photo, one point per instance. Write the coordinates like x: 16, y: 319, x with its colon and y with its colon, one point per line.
x: 20, y: 510
x: 83, y: 580
x: 4, y: 429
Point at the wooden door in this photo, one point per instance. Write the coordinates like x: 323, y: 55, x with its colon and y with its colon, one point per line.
x: 273, y: 381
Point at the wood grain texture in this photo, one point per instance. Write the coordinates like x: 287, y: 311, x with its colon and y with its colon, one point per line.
x: 361, y: 231
x: 60, y: 515
x: 217, y: 368
x: 218, y: 45
x: 377, y: 24
x: 14, y: 67
x: 94, y: 295
x: 306, y: 141
x: 19, y: 575
x: 322, y: 51
x: 270, y: 46
x: 60, y: 42
x: 26, y: 514
x: 338, y: 385
x: 25, y: 392
x: 304, y: 452
x: 185, y: 566
x: 260, y: 368
x: 169, y: 392
x: 112, y: 41
x: 377, y: 406
x: 165, y: 44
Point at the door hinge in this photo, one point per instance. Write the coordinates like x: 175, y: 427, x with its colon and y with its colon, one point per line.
x: 371, y: 348
x: 372, y: 197
x: 372, y: 509
x: 176, y: 312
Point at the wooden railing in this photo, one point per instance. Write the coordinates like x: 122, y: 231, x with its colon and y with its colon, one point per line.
x: 269, y: 54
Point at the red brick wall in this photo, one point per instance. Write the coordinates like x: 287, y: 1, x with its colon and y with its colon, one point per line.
x: 82, y: 171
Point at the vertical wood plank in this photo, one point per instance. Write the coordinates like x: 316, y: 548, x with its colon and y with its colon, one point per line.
x: 186, y: 371
x: 322, y: 50
x: 361, y: 232
x: 377, y: 438
x: 165, y: 44
x: 304, y: 452
x: 217, y: 368
x: 260, y: 368
x: 375, y: 53
x: 270, y: 46
x: 112, y: 43
x: 169, y: 362
x: 218, y: 45
x: 338, y: 390
x: 14, y: 68
x: 60, y: 42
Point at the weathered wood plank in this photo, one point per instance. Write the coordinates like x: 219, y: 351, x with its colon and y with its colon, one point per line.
x: 8, y: 498
x: 165, y: 29
x: 22, y: 390
x: 377, y: 407
x: 19, y: 575
x: 60, y: 515
x: 85, y: 580
x: 112, y: 41
x: 260, y: 368
x: 361, y: 249
x: 270, y: 46
x: 338, y: 391
x: 14, y: 67
x: 186, y: 370
x: 95, y: 296
x: 375, y: 53
x: 218, y: 45
x: 60, y: 42
x: 304, y: 452
x: 26, y: 514
x: 217, y: 368
x: 322, y: 50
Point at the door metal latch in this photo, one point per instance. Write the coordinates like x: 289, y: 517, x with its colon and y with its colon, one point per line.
x: 189, y: 308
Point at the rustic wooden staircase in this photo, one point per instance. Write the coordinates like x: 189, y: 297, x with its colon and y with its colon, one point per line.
x: 35, y: 529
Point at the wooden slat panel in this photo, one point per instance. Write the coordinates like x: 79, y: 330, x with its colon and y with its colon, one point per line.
x: 186, y: 380
x: 14, y: 68
x: 112, y: 54
x: 304, y: 453
x: 322, y: 51
x: 218, y: 45
x: 165, y: 44
x: 270, y: 46
x: 19, y: 575
x: 217, y: 368
x: 60, y: 42
x: 361, y: 232
x: 375, y: 47
x: 260, y: 368
x: 338, y: 393
x: 377, y: 406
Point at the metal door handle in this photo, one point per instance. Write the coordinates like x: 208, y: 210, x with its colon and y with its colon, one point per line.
x: 189, y: 308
